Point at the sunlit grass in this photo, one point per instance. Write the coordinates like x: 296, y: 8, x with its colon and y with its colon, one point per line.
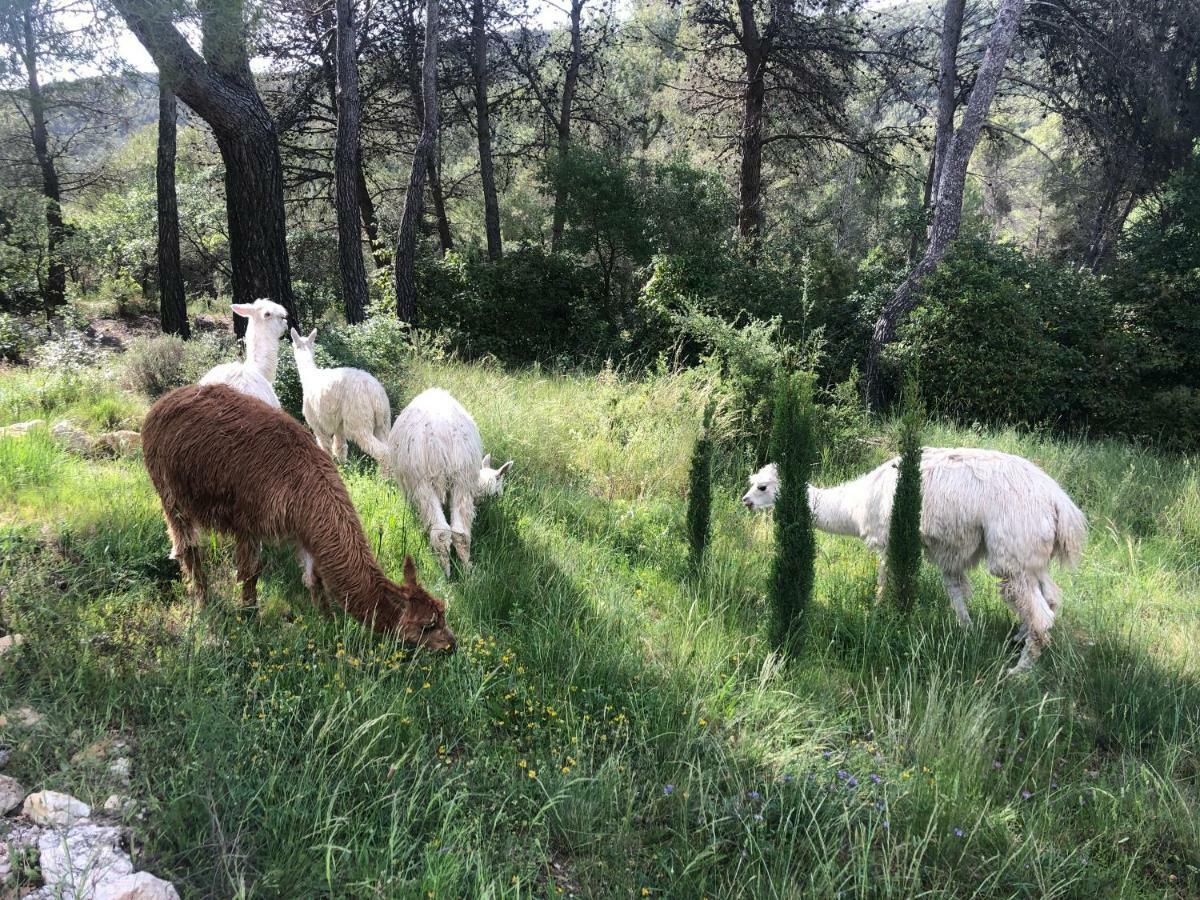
x: 610, y: 725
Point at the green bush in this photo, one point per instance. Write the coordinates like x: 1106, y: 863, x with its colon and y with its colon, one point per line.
x: 1002, y: 337
x: 793, y: 567
x: 18, y: 338
x: 699, y: 508
x: 529, y: 306
x: 904, y: 547
x: 1156, y: 286
x: 164, y: 362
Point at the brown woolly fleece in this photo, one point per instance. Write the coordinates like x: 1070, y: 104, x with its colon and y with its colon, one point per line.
x: 228, y: 462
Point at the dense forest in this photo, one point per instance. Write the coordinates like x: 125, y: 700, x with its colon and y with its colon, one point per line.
x: 999, y: 196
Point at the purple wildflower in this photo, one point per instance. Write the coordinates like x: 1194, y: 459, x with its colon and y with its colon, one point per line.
x: 852, y: 782
x: 1025, y: 795
x: 875, y: 779
x: 958, y: 832
x: 842, y: 774
x: 996, y: 764
x: 755, y: 795
x: 886, y: 825
x: 668, y: 790
x: 879, y: 805
x: 787, y: 779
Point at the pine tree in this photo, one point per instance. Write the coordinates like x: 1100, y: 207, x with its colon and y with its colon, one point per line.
x: 793, y: 571
x: 904, y: 530
x: 700, y: 493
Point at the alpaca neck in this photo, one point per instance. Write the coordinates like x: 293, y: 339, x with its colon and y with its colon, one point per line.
x: 351, y: 574
x: 262, y: 351
x: 306, y: 367
x: 834, y: 509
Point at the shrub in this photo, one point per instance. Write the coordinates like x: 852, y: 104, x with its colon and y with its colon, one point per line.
x: 699, y: 509
x: 1002, y: 337
x: 904, y: 529
x: 793, y: 568
x: 17, y: 338
x: 164, y: 362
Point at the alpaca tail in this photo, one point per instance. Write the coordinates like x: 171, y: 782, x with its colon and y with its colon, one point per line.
x: 375, y: 448
x: 1070, y: 531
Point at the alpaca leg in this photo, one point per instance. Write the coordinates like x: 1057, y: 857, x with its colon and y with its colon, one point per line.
x: 312, y: 581
x: 881, y: 578
x: 462, y: 517
x: 1050, y: 591
x: 191, y: 560
x: 433, y: 517
x: 958, y: 586
x: 249, y: 564
x: 339, y: 448
x: 1020, y: 592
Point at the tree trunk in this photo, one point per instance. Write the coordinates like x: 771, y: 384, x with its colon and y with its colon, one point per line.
x: 947, y: 213
x: 483, y: 130
x: 750, y: 212
x: 220, y: 88
x: 54, y: 290
x: 172, y: 304
x: 445, y: 238
x: 566, y: 107
x: 406, y: 242
x: 346, y: 162
x: 947, y: 89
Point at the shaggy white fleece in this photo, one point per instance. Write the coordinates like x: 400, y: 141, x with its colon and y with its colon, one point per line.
x: 976, y: 505
x: 266, y: 322
x: 341, y: 404
x: 435, y: 453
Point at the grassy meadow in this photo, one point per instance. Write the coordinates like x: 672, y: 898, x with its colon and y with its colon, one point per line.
x: 611, y: 726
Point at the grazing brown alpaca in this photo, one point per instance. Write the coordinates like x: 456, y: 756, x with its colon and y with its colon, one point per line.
x: 228, y: 462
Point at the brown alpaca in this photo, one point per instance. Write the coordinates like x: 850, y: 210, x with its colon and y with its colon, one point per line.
x: 225, y: 461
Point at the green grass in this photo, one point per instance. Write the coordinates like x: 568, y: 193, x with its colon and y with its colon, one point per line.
x: 609, y: 725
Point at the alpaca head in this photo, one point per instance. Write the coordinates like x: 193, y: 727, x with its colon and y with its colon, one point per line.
x: 264, y: 315
x: 304, y: 344
x: 764, y: 488
x: 491, y: 481
x: 422, y: 620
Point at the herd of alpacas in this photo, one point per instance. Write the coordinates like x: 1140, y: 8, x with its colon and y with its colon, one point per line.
x: 224, y: 457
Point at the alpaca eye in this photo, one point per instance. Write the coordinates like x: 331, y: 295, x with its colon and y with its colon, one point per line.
x: 762, y: 487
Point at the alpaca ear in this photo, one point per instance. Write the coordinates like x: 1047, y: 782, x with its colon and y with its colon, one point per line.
x: 312, y: 335
x: 243, y: 309
x: 487, y: 461
x: 295, y: 335
x: 410, y: 571
x: 504, y: 468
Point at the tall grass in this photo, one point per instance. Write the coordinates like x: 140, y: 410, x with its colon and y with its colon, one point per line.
x: 609, y: 725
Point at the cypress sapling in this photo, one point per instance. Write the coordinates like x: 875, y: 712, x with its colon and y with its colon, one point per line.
x: 793, y: 570
x: 700, y: 493
x: 903, y: 564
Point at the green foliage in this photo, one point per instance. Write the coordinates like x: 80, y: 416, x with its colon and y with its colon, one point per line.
x: 155, y: 365
x: 529, y: 306
x: 18, y: 338
x: 793, y: 568
x: 699, y: 508
x: 904, y: 548
x: 1157, y: 284
x: 1005, y: 337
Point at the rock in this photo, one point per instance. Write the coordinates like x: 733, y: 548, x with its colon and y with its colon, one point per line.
x: 138, y: 886
x: 10, y: 641
x: 70, y: 437
x: 21, y: 717
x: 54, y: 809
x: 11, y: 794
x: 5, y: 756
x: 120, y: 768
x: 17, y: 837
x: 119, y: 804
x: 19, y: 428
x: 94, y: 753
x: 77, y: 861
x: 117, y: 443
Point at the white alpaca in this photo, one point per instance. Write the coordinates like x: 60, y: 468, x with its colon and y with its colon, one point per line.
x: 265, y: 324
x: 975, y: 505
x: 342, y: 403
x: 435, y: 453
